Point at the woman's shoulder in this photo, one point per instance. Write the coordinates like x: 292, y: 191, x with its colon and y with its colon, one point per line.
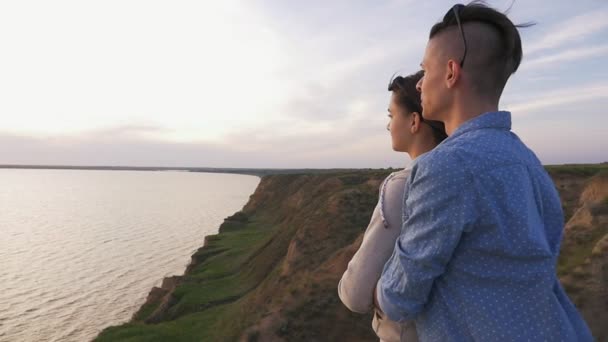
x: 397, y: 176
x: 394, y: 184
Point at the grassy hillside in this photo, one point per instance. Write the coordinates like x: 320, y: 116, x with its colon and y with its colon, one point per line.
x: 272, y: 271
x: 583, y: 263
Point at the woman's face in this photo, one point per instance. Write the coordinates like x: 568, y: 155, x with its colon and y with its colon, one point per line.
x: 399, y: 125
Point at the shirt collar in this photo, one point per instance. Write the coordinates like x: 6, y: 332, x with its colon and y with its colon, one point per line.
x: 413, y: 162
x: 498, y: 120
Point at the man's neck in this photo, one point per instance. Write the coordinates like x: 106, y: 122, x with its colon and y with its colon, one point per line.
x: 465, y: 111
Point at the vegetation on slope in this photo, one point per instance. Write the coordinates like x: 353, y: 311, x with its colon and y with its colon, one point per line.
x: 583, y: 263
x: 267, y: 262
x: 272, y: 272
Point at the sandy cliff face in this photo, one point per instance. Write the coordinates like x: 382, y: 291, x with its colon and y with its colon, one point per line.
x: 301, y: 302
x: 271, y: 273
x: 583, y: 271
x: 584, y: 260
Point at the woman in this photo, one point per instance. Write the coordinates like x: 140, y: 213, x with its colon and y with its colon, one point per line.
x: 412, y: 134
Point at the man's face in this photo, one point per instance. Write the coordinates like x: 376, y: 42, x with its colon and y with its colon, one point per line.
x: 432, y: 86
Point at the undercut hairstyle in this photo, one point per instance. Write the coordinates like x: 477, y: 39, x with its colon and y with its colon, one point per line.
x: 408, y: 97
x: 494, y: 51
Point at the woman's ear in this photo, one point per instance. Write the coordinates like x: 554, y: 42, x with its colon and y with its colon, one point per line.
x: 416, y: 122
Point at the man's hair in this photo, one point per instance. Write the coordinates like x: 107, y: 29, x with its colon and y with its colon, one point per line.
x: 494, y: 68
x: 408, y: 97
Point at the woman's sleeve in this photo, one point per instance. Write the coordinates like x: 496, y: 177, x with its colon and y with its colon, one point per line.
x: 356, y: 288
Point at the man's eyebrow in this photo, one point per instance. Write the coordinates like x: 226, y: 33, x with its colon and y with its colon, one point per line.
x: 389, y: 110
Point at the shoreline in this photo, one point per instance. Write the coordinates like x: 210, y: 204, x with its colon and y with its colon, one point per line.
x: 221, y: 293
x: 259, y: 172
x: 271, y: 271
x: 160, y: 296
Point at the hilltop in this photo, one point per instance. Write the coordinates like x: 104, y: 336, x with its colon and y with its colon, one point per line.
x: 272, y: 271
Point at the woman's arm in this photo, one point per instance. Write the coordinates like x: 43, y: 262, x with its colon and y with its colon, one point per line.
x: 356, y: 288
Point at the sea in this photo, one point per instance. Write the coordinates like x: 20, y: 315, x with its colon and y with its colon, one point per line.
x: 81, y: 249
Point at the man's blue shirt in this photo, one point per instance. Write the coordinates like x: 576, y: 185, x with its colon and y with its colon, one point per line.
x: 476, y: 259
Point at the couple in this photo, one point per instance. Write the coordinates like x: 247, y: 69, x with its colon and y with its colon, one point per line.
x: 463, y: 244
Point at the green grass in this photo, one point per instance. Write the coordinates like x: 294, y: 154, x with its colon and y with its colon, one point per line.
x: 235, y: 247
x: 145, y: 311
x: 204, y: 298
x: 194, y: 327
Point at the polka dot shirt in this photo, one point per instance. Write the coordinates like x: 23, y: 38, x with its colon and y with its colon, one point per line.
x: 476, y: 258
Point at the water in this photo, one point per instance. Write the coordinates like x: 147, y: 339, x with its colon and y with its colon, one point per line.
x: 80, y: 250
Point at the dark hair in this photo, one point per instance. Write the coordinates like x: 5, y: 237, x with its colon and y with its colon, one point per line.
x: 501, y: 63
x: 407, y: 96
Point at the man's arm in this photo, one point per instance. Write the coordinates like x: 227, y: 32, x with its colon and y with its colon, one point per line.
x: 439, y: 206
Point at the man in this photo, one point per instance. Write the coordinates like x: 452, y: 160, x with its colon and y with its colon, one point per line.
x: 476, y: 258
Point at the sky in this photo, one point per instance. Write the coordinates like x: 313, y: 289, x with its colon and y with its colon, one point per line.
x: 269, y: 83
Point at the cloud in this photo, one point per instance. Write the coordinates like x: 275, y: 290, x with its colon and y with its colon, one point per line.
x: 291, y: 85
x: 119, y: 150
x: 126, y: 132
x: 66, y: 69
x: 362, y: 142
x: 277, y: 138
x: 574, y: 29
x: 572, y: 54
x: 559, y: 97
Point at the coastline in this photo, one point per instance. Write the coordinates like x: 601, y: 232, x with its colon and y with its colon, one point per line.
x: 271, y: 271
x: 83, y: 249
x: 159, y: 299
x: 260, y: 258
x: 259, y: 172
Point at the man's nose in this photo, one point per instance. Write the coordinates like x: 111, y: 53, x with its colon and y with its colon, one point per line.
x: 419, y: 84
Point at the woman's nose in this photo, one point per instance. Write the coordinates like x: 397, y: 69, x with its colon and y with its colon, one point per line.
x: 388, y: 126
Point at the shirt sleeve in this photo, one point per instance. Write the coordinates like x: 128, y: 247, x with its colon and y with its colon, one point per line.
x: 439, y: 207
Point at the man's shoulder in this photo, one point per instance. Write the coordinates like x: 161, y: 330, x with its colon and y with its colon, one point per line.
x: 442, y: 156
x: 445, y: 162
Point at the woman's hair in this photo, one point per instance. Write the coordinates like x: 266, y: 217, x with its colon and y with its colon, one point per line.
x: 407, y: 96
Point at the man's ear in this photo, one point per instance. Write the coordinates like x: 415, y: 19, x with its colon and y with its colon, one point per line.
x: 416, y: 122
x: 453, y: 73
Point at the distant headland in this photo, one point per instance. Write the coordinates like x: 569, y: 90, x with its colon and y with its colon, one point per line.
x: 244, y: 171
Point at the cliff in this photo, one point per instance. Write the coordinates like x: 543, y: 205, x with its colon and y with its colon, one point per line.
x: 583, y: 264
x: 271, y: 272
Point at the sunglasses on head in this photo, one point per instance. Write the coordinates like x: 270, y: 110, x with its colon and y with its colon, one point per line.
x: 455, y: 13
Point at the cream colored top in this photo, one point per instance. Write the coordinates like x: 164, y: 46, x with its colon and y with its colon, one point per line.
x: 356, y: 288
